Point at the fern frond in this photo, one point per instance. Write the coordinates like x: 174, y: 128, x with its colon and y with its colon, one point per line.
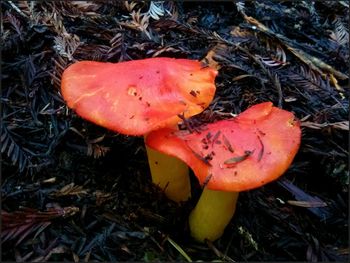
x: 240, y: 5
x: 96, y: 150
x: 340, y: 35
x: 70, y: 189
x: 19, y: 224
x: 15, y: 23
x: 156, y: 10
x: 66, y: 45
x: 308, y: 79
x: 12, y: 149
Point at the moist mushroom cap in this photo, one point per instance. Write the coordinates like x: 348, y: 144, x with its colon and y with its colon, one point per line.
x: 237, y: 154
x: 138, y: 96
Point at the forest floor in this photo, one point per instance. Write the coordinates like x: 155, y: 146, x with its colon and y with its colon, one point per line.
x: 73, y: 191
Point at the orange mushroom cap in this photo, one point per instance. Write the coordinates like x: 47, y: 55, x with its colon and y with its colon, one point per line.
x: 237, y: 154
x: 138, y: 96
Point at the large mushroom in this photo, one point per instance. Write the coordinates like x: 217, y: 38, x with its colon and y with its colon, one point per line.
x: 139, y: 96
x: 230, y: 156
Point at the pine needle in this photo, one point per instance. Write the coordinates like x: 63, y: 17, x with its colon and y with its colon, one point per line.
x: 179, y: 249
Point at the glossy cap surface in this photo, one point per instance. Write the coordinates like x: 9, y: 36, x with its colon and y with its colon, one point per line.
x: 136, y: 97
x: 237, y: 154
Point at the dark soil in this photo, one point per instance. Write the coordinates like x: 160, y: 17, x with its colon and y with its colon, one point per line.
x: 73, y: 191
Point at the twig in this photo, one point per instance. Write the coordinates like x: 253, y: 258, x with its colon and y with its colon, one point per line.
x: 16, y: 9
x: 315, y: 63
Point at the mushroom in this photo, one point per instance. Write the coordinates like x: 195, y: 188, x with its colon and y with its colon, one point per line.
x: 230, y: 156
x: 136, y: 97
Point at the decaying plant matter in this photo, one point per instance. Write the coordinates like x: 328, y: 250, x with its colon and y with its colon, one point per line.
x: 292, y: 53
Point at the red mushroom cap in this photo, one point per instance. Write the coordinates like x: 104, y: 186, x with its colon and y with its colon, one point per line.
x: 238, y: 154
x: 138, y: 96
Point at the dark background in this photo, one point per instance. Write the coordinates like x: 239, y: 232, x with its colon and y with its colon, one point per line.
x: 74, y: 191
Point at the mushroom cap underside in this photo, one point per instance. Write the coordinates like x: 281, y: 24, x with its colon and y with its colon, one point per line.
x: 237, y: 154
x: 138, y: 96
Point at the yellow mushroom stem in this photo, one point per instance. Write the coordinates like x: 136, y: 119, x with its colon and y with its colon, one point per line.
x: 170, y: 174
x: 212, y: 214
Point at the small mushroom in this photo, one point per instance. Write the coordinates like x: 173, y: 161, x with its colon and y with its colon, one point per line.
x: 230, y: 156
x: 136, y: 97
